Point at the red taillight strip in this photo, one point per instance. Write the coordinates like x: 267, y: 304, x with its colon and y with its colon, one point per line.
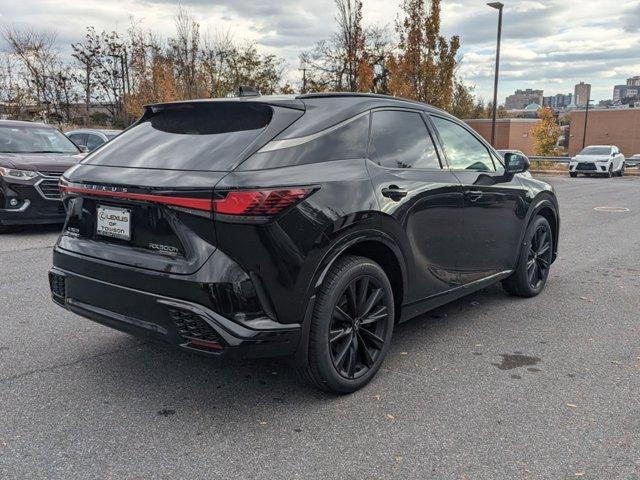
x: 205, y: 204
x: 267, y: 202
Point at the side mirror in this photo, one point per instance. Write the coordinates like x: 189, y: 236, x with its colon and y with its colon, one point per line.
x: 515, y: 163
x: 83, y: 148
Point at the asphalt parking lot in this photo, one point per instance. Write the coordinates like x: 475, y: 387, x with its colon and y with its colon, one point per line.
x: 488, y: 387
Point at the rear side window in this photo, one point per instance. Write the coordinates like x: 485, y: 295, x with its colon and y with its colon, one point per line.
x: 348, y: 140
x: 94, y: 141
x: 401, y: 140
x: 193, y: 136
x: 78, y: 138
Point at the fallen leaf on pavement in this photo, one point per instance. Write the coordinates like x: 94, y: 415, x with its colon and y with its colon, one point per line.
x: 571, y: 405
x: 390, y: 417
x: 376, y: 397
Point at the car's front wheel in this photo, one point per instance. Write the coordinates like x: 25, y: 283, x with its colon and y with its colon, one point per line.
x: 610, y: 171
x: 351, y: 326
x: 573, y: 174
x: 534, y: 262
x: 622, y: 169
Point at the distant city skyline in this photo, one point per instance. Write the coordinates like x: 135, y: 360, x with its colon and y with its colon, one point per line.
x: 547, y: 44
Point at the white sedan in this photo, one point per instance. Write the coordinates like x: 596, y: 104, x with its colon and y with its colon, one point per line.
x: 598, y: 159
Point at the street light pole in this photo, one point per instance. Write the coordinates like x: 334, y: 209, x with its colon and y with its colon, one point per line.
x: 498, y: 6
x: 586, y: 117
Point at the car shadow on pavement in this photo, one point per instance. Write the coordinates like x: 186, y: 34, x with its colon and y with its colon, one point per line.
x: 170, y: 379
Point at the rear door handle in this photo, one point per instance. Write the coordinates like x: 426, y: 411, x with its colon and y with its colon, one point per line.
x: 474, y: 195
x: 394, y: 192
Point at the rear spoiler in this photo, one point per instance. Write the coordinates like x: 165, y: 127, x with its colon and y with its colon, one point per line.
x: 274, y: 101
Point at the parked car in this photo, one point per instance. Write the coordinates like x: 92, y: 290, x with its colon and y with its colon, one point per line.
x: 300, y: 226
x: 598, y: 159
x: 33, y: 156
x: 633, y: 161
x: 91, y: 138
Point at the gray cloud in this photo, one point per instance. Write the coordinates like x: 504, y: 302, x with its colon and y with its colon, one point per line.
x: 630, y: 18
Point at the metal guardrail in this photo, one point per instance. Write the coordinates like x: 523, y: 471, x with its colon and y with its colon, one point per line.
x: 563, y: 160
x: 550, y: 159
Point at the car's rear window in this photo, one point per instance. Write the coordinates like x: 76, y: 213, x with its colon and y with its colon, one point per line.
x: 197, y: 136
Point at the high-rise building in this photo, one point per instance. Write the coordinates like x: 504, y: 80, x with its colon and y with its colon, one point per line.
x: 631, y: 90
x: 560, y: 100
x: 522, y: 98
x: 633, y: 81
x: 581, y: 94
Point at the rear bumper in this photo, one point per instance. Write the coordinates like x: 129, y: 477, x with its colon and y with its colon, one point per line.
x: 185, y: 324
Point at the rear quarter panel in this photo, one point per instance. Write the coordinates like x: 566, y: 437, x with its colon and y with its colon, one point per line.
x: 286, y: 252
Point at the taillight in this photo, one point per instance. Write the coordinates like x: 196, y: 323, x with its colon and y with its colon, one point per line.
x: 258, y: 203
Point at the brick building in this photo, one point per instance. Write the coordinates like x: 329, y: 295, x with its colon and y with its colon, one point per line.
x: 619, y: 127
x: 511, y: 133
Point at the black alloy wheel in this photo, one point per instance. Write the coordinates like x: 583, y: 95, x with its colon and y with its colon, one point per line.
x: 536, y: 255
x: 351, y: 327
x: 358, y: 327
x: 539, y: 257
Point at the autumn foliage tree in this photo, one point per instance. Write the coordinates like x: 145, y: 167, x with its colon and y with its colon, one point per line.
x: 424, y: 67
x: 123, y: 71
x: 546, y: 132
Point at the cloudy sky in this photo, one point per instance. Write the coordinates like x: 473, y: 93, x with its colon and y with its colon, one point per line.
x: 547, y: 44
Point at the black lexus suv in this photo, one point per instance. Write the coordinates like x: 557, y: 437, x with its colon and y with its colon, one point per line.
x: 303, y: 226
x: 33, y: 156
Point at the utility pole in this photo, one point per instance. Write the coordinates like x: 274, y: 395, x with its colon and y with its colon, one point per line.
x: 586, y: 117
x: 304, y: 80
x: 498, y: 6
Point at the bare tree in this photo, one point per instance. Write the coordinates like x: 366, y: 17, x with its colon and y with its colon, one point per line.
x: 216, y: 52
x: 86, y: 54
x: 353, y: 59
x: 35, y: 49
x: 185, y: 54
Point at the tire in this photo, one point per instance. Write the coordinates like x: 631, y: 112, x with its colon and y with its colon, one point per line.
x: 573, y: 174
x: 346, y: 351
x: 622, y: 169
x: 609, y: 173
x: 536, y: 253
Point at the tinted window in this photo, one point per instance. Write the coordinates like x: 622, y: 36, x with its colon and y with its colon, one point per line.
x: 78, y: 138
x: 463, y: 150
x: 94, y: 141
x: 196, y: 136
x: 346, y: 141
x: 401, y: 140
